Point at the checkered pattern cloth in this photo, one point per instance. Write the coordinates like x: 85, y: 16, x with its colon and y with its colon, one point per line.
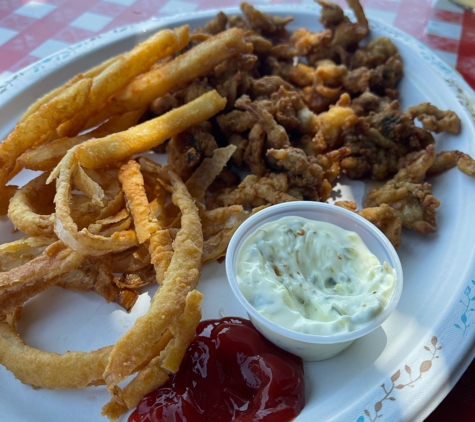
x: 32, y: 30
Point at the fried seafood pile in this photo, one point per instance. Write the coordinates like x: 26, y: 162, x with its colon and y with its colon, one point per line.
x: 305, y: 107
x: 250, y: 115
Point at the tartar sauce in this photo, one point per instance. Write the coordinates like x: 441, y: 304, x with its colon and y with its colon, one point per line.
x: 313, y: 277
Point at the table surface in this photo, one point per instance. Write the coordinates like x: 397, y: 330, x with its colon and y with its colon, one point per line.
x: 33, y: 30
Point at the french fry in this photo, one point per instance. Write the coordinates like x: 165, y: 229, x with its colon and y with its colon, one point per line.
x: 147, y: 380
x: 37, y: 128
x: 155, y: 374
x: 182, y: 70
x: 47, y: 156
x: 111, y: 149
x: 125, y: 69
x: 55, y: 92
x: 133, y: 185
x: 183, y: 333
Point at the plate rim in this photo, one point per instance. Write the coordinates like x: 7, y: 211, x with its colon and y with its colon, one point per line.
x: 22, y: 79
x: 451, y: 75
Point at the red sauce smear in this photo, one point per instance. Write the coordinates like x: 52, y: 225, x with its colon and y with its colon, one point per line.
x: 230, y: 372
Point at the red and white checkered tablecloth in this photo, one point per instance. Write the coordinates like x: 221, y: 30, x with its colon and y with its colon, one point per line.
x: 33, y: 30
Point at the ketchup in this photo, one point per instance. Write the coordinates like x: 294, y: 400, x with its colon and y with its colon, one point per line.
x: 230, y: 372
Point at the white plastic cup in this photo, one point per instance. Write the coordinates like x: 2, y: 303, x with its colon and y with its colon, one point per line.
x: 312, y: 347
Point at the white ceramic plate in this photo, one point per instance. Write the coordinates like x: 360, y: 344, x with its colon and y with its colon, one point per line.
x: 400, y: 372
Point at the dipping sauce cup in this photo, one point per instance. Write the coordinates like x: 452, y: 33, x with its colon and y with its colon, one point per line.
x: 313, y: 347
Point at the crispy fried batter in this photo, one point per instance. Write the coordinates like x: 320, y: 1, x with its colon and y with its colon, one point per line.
x: 21, y: 283
x: 46, y: 364
x: 295, y: 110
x: 434, y: 119
x: 383, y: 217
x: 409, y: 195
x: 97, y: 275
x: 134, y: 348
